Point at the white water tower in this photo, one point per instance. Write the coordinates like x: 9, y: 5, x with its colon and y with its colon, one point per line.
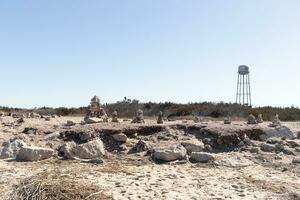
x: 243, y: 93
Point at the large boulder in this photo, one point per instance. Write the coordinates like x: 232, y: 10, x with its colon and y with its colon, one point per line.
x: 176, y: 152
x: 279, y: 132
x: 34, y: 153
x: 12, y: 148
x: 200, y: 157
x: 90, y: 150
x: 193, y: 146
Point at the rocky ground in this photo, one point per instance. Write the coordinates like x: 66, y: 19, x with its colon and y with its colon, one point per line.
x: 174, y: 160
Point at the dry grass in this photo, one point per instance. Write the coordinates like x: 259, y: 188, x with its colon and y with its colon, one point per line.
x: 52, y: 186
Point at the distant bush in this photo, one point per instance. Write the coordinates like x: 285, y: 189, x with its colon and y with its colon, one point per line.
x: 127, y: 108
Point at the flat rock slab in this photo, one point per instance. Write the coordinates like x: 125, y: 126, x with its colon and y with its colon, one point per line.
x: 34, y: 154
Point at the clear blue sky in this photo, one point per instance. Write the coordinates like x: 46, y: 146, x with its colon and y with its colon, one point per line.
x: 62, y: 52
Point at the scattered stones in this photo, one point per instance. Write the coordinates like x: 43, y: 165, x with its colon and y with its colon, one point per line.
x: 115, y: 117
x: 160, y: 118
x: 121, y: 137
x: 11, y: 149
x: 139, y: 117
x: 200, y: 157
x: 141, y: 146
x: 47, y: 118
x: 176, y: 152
x: 251, y: 119
x: 193, y: 146
x: 31, y: 154
x: 276, y: 121
x: 2, y: 114
x: 260, y: 119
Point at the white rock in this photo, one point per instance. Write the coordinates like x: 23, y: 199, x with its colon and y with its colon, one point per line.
x: 199, y: 157
x: 121, y: 137
x: 11, y: 149
x: 90, y: 150
x: 177, y: 152
x: 193, y: 146
x: 34, y: 153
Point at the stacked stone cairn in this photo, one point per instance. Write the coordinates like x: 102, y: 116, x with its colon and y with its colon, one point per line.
x: 227, y: 120
x: 160, y: 118
x: 260, y: 119
x: 115, y: 117
x: 139, y: 118
x: 251, y: 119
x: 276, y: 121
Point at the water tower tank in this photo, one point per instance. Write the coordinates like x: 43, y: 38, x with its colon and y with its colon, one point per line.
x: 243, y: 70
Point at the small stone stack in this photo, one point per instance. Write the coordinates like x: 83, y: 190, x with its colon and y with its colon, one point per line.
x: 139, y: 117
x: 260, y: 119
x: 160, y: 118
x: 115, y: 117
x: 276, y: 121
x: 105, y: 118
x: 252, y: 119
x: 227, y: 120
